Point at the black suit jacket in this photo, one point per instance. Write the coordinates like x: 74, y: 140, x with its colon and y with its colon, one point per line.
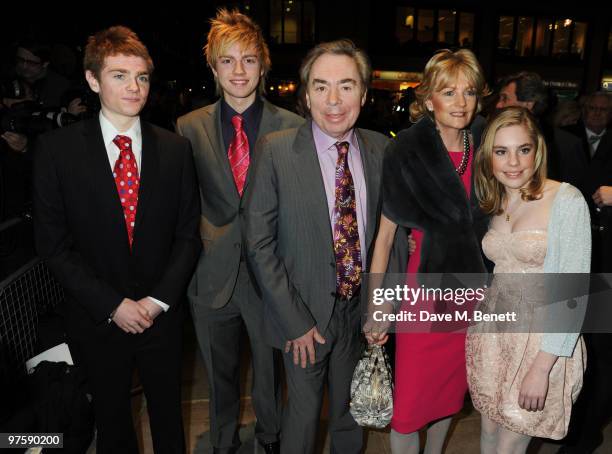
x: 80, y: 230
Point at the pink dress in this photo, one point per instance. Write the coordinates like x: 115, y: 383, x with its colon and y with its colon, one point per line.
x: 430, y: 373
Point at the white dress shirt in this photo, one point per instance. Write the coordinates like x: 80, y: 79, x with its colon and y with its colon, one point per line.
x: 594, y: 140
x: 109, y: 132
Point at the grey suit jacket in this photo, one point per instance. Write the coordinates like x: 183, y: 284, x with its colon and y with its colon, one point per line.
x: 220, y: 228
x: 288, y: 233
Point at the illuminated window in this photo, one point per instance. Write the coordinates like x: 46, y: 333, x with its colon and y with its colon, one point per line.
x: 578, y: 39
x: 404, y: 27
x: 505, y: 36
x: 524, y: 36
x: 446, y: 26
x: 466, y: 29
x: 561, y: 40
x: 425, y: 26
x: 292, y: 21
x: 544, y: 33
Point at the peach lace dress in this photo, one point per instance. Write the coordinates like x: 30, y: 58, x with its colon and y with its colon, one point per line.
x: 498, y: 362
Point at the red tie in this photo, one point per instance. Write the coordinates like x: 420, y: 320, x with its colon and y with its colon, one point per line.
x: 238, y: 154
x: 125, y: 173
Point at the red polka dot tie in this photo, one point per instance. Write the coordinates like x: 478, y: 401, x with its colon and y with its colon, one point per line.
x: 127, y: 181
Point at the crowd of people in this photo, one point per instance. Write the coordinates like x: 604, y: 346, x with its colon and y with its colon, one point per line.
x: 267, y: 220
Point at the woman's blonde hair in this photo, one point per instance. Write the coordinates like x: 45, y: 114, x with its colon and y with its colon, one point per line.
x: 443, y: 69
x: 490, y: 192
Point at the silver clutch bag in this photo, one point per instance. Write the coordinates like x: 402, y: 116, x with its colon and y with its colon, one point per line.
x: 372, y: 389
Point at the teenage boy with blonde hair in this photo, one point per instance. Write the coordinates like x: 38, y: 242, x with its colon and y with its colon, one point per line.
x: 222, y: 293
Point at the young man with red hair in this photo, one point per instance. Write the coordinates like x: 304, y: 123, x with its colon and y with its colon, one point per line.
x: 116, y: 213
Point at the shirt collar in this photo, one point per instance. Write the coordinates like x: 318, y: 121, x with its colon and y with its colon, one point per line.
x: 109, y: 132
x: 591, y: 133
x: 323, y: 142
x: 249, y: 115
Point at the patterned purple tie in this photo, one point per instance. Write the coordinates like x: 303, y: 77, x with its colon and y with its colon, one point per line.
x: 346, y: 234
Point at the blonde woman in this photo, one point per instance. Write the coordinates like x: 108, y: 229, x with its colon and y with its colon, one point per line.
x: 427, y: 186
x: 524, y: 384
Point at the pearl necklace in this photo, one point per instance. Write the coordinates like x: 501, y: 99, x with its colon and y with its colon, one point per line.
x: 465, y: 159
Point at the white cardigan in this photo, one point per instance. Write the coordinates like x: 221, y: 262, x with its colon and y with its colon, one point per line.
x: 568, y: 251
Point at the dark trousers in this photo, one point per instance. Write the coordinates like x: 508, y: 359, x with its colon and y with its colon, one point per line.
x: 334, y: 365
x: 218, y: 332
x: 109, y: 357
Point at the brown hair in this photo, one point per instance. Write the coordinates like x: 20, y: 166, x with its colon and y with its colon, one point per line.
x: 490, y: 192
x: 444, y: 67
x: 229, y: 28
x: 113, y: 41
x: 340, y: 47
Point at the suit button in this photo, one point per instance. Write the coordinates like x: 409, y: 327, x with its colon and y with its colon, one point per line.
x: 237, y: 245
x: 332, y: 264
x: 333, y: 294
x: 241, y: 210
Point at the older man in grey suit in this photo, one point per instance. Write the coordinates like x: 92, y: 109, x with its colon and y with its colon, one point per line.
x: 222, y: 295
x: 311, y: 214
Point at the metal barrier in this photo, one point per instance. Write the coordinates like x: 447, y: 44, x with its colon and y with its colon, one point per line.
x: 24, y: 295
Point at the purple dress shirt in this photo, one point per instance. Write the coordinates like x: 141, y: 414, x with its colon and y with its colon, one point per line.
x: 328, y: 157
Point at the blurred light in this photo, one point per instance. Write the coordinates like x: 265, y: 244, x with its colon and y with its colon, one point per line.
x: 280, y: 87
x: 454, y: 12
x: 189, y: 90
x: 271, y: 88
x: 410, y: 21
x: 392, y: 133
x: 247, y: 7
x: 288, y: 10
x: 567, y: 22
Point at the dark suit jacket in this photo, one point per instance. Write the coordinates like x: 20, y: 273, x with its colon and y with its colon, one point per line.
x: 597, y: 172
x: 288, y: 233
x: 80, y: 230
x: 220, y: 226
x: 565, y: 155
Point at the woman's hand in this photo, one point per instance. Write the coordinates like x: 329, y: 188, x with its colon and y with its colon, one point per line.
x: 534, y: 388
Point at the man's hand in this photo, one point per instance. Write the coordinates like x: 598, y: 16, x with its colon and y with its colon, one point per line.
x: 17, y: 142
x: 603, y: 196
x: 131, y: 317
x: 303, y: 347
x: 152, y: 308
x: 75, y: 107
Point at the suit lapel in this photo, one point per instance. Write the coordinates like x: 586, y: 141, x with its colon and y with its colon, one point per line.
x: 214, y: 132
x: 149, y: 173
x: 270, y: 120
x: 372, y: 176
x: 101, y: 178
x: 308, y: 173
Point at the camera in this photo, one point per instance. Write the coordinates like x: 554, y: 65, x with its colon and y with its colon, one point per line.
x: 31, y: 119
